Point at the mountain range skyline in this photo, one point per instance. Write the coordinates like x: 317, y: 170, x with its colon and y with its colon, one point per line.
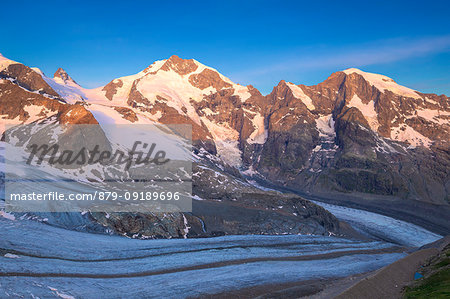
x: 253, y: 42
x: 345, y: 125
x: 265, y: 91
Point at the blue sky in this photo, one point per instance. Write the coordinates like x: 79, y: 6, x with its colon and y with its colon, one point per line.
x: 251, y: 42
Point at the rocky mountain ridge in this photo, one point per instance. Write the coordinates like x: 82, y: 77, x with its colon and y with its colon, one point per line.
x: 313, y: 137
x: 354, y: 132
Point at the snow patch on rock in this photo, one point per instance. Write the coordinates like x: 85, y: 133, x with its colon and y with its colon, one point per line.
x: 368, y: 111
x: 299, y: 94
x: 259, y: 135
x: 325, y: 125
x: 407, y: 134
x: 436, y: 116
x: 226, y: 140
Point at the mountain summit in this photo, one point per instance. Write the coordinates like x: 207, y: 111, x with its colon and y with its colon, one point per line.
x: 62, y: 76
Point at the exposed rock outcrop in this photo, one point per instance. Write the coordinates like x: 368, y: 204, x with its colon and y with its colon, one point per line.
x: 63, y: 76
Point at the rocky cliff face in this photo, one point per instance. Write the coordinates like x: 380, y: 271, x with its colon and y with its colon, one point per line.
x: 354, y: 132
x: 358, y: 132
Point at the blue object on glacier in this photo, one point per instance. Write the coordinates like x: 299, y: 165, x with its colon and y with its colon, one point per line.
x: 417, y: 275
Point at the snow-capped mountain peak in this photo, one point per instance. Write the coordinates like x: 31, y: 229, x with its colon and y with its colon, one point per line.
x: 5, y: 62
x: 180, y: 65
x: 62, y: 77
x: 384, y: 83
x: 192, y: 80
